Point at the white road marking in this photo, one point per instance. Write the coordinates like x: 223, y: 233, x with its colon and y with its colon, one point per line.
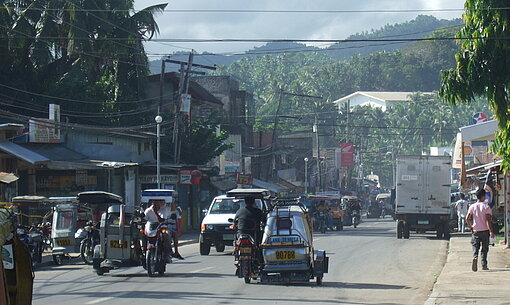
x: 101, y: 300
x: 200, y: 270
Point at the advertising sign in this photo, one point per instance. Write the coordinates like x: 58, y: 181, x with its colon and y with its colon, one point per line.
x: 244, y: 179
x: 347, y: 154
x: 185, y: 176
x: 185, y: 103
x: 43, y: 131
x: 479, y: 117
x: 232, y: 166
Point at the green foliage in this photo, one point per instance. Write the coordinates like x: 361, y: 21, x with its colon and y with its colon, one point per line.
x: 200, y: 142
x: 405, y: 128
x: 482, y: 66
x: 87, y: 50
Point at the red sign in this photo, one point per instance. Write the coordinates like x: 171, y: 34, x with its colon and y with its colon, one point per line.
x: 185, y: 176
x: 347, y: 153
x: 244, y: 179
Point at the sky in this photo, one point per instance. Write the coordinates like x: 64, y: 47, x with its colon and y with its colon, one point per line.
x: 215, y: 25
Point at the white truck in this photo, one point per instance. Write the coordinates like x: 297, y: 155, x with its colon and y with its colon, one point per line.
x: 422, y: 203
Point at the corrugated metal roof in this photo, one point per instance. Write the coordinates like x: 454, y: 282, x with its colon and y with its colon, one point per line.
x: 8, y: 177
x: 22, y: 152
x: 54, y: 152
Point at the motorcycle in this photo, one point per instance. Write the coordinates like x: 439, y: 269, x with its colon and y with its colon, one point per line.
x: 33, y: 238
x: 155, y: 254
x: 322, y: 221
x: 355, y: 218
x: 89, y: 236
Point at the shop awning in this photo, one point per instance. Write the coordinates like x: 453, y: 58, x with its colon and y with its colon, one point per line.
x: 22, y: 153
x: 8, y: 177
x: 479, y: 132
x: 267, y: 185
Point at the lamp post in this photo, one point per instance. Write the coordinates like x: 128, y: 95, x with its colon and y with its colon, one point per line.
x: 306, y: 175
x: 158, y: 120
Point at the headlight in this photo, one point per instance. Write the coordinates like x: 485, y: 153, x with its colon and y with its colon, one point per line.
x: 209, y: 227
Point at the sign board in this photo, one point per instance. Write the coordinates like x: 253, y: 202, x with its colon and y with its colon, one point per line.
x: 185, y: 176
x: 244, y: 179
x: 347, y: 154
x: 479, y: 117
x: 165, y: 179
x: 43, y: 131
x: 232, y: 166
x: 409, y: 177
x: 186, y: 103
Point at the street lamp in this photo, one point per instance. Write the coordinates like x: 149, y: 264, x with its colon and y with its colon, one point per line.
x: 158, y: 120
x: 306, y: 176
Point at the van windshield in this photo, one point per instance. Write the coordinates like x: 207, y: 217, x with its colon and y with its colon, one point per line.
x: 230, y: 205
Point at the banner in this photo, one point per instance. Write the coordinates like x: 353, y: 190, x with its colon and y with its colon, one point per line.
x: 244, y: 179
x: 347, y: 154
x: 185, y: 176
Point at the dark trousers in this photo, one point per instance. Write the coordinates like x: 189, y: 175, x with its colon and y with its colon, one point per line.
x: 477, y: 239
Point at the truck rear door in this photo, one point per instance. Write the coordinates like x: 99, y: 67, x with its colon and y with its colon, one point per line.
x: 409, y: 197
x: 437, y: 171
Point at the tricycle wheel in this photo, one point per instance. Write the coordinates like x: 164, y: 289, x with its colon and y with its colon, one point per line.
x: 247, y: 279
x: 318, y: 280
x: 57, y: 259
x: 400, y: 229
x: 99, y: 272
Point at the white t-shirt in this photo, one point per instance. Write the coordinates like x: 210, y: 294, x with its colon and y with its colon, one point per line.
x: 462, y: 208
x: 150, y: 215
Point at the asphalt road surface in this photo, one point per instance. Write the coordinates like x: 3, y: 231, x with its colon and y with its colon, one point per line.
x: 368, y: 265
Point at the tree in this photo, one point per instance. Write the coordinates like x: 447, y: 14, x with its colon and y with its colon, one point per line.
x: 483, y: 64
x: 200, y: 142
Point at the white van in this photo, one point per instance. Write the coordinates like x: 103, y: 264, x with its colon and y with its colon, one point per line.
x: 215, y: 229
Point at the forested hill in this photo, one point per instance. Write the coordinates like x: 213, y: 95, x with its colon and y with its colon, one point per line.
x: 419, y: 27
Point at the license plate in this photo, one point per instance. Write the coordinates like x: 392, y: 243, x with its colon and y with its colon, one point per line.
x: 228, y: 236
x: 116, y: 244
x: 423, y: 222
x: 64, y: 242
x: 285, y: 255
x: 245, y: 250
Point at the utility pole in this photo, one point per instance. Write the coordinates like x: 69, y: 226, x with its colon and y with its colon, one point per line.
x: 184, y: 79
x: 319, y: 171
x: 275, y: 128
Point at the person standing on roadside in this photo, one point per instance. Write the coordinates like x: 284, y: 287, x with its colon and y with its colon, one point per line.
x: 479, y: 222
x: 462, y: 207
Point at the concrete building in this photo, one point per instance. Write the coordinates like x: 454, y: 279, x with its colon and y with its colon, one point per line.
x: 376, y: 99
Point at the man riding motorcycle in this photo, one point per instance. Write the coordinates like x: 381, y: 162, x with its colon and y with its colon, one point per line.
x: 248, y: 219
x: 154, y: 214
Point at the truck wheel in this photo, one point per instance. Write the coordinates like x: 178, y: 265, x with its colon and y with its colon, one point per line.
x: 446, y: 231
x: 247, y: 279
x: 400, y: 229
x: 318, y: 280
x: 406, y: 232
x: 205, y: 248
x: 439, y: 231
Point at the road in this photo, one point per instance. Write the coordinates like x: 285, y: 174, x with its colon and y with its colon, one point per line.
x: 368, y: 265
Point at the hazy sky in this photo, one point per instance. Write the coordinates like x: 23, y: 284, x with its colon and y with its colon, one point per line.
x: 280, y: 25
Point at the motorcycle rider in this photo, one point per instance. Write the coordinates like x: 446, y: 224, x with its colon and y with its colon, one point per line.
x: 153, y: 214
x: 322, y: 207
x: 248, y: 219
x: 166, y: 212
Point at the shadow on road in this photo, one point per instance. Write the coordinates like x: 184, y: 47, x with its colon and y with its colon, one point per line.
x: 362, y: 285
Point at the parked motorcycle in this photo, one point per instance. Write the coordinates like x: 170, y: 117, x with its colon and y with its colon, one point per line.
x: 33, y: 237
x: 154, y: 253
x: 89, y: 236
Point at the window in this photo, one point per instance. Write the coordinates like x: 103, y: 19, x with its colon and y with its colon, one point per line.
x: 230, y: 205
x: 64, y: 220
x: 139, y: 148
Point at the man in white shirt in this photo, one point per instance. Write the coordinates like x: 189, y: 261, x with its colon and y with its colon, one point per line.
x: 462, y: 208
x: 166, y: 212
x: 156, y: 213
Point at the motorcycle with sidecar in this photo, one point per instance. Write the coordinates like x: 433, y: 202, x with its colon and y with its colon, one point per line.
x: 120, y: 232
x: 286, y: 253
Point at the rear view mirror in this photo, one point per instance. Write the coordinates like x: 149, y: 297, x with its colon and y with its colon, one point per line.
x: 231, y: 220
x: 204, y: 211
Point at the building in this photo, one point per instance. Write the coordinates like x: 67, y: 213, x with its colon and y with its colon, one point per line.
x: 376, y: 99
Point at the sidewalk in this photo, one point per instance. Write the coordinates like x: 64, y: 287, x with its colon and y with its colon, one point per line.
x: 457, y: 284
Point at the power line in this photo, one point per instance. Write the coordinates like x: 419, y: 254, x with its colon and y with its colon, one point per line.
x: 262, y: 11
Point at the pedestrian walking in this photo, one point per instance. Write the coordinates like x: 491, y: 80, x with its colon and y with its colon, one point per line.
x: 479, y: 222
x: 462, y: 208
